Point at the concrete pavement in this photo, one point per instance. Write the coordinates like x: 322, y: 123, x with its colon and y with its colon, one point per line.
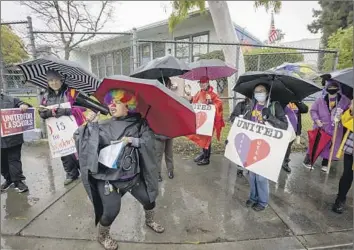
x: 202, y: 208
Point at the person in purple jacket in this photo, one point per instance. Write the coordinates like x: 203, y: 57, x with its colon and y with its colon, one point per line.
x: 323, y: 113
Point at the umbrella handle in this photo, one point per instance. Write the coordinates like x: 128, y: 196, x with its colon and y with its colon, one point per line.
x: 332, y: 146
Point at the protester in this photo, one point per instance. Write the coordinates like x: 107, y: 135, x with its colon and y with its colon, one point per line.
x: 323, y: 113
x: 260, y: 110
x: 293, y: 111
x: 164, y: 144
x: 58, y: 93
x: 347, y: 177
x: 106, y: 186
x: 206, y: 95
x: 11, y: 165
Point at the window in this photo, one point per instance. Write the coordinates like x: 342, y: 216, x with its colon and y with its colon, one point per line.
x: 94, y: 65
x: 145, y: 53
x: 182, y: 50
x: 101, y: 66
x: 199, y: 49
x: 109, y: 64
x: 191, y: 52
x: 117, y: 63
x: 158, y: 50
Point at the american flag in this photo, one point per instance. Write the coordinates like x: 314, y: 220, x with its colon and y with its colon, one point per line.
x: 273, y: 34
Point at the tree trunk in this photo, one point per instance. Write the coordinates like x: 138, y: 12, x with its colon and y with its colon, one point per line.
x: 67, y: 51
x: 226, y: 33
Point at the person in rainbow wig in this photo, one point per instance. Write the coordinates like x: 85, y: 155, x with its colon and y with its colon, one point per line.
x: 134, y: 170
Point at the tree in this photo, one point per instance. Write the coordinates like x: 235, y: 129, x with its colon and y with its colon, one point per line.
x: 332, y: 16
x: 12, y: 47
x: 223, y: 25
x: 343, y: 41
x: 71, y: 16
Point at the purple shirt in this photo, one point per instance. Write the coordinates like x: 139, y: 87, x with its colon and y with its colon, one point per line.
x: 257, y: 113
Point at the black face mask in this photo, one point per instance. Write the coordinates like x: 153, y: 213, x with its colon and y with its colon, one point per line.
x: 332, y: 91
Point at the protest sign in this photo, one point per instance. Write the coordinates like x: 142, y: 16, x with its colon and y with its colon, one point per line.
x: 15, y: 121
x: 205, y: 118
x: 60, y: 133
x: 258, y: 148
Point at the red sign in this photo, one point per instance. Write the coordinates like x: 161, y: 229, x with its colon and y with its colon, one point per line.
x: 14, y: 121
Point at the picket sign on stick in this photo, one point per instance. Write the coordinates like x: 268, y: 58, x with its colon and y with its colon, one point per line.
x: 60, y: 133
x: 205, y: 118
x: 15, y: 121
x: 258, y: 148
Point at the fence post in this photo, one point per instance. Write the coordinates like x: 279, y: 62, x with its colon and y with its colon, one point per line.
x: 34, y: 55
x: 135, y: 49
x: 336, y: 60
x: 258, y: 62
x: 237, y: 63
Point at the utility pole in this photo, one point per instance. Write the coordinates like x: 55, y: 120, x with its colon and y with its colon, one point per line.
x: 34, y: 55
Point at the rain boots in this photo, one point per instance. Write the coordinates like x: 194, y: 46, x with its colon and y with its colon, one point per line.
x: 150, y: 222
x: 105, y: 239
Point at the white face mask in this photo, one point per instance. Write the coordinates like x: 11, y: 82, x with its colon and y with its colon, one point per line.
x: 260, y: 97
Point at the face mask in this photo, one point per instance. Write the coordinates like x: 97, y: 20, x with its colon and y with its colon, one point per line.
x: 332, y: 91
x: 260, y: 97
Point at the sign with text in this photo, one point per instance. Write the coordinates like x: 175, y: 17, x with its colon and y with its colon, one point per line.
x: 258, y: 148
x: 205, y: 118
x: 60, y: 133
x: 15, y: 121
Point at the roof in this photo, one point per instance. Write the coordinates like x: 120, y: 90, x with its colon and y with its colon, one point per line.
x: 239, y: 29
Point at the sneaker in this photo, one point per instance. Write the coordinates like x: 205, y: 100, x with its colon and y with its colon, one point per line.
x: 6, y: 185
x: 171, y: 175
x: 69, y: 181
x: 258, y: 207
x: 324, y: 168
x: 21, y: 187
x: 306, y: 165
x: 249, y: 203
x: 338, y: 207
x: 159, y: 178
x: 286, y: 168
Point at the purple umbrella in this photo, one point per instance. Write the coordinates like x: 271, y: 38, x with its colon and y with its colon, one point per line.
x: 211, y: 68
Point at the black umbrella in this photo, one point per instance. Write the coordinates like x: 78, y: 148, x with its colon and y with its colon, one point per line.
x: 345, y: 77
x: 73, y: 74
x: 166, y: 66
x: 284, y: 87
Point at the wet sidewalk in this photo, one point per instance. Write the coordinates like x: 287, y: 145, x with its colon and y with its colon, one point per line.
x: 201, y: 208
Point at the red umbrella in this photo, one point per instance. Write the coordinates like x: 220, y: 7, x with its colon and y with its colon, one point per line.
x: 166, y: 113
x: 318, y: 140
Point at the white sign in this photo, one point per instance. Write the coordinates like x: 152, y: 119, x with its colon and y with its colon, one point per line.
x: 205, y: 118
x: 258, y: 148
x: 109, y: 155
x: 60, y: 133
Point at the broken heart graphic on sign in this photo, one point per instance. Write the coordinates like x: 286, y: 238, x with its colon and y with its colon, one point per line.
x: 201, y: 118
x: 250, y: 151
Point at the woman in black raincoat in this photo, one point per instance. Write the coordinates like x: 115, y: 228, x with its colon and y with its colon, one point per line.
x: 137, y: 171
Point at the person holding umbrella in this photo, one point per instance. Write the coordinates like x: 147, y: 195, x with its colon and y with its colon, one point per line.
x: 164, y: 144
x: 293, y: 110
x: 324, y: 112
x: 206, y: 95
x: 347, y: 148
x: 11, y: 165
x: 106, y: 186
x: 58, y: 92
x: 260, y: 109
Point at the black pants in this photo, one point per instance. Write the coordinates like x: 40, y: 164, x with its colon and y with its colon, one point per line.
x: 71, y: 166
x: 346, y: 179
x: 11, y: 165
x: 207, y: 152
x: 111, y: 203
x: 288, y: 152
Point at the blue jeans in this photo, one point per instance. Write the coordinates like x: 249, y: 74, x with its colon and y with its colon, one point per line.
x: 259, y: 192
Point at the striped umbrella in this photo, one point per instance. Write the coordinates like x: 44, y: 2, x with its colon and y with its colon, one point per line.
x: 73, y: 74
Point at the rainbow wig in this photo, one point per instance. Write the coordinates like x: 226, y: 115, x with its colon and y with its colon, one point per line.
x: 122, y: 96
